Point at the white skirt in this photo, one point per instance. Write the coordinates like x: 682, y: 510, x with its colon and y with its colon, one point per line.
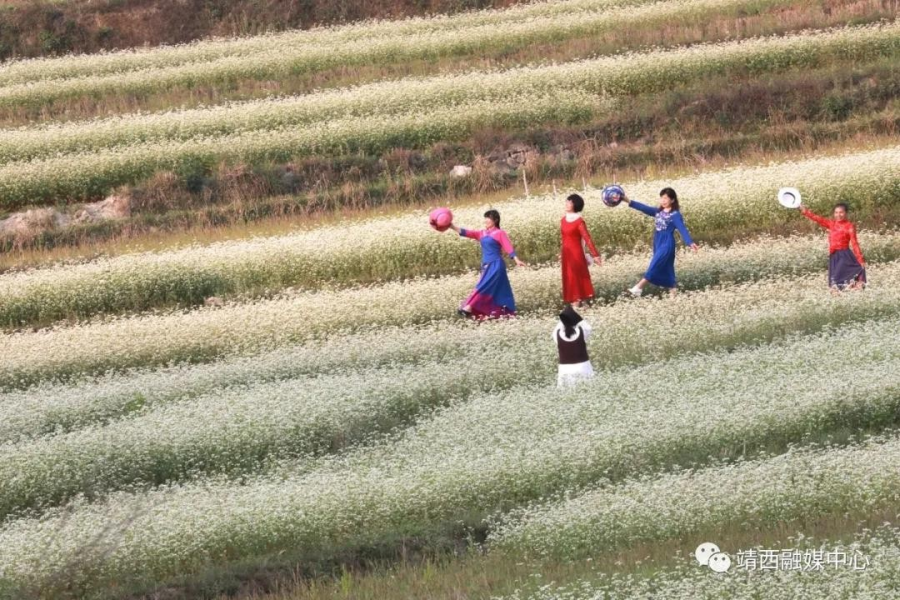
x: 570, y: 375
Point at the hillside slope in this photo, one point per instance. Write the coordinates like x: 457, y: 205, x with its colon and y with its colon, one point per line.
x: 41, y: 28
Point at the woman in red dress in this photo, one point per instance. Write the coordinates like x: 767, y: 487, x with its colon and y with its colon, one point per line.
x: 577, y: 286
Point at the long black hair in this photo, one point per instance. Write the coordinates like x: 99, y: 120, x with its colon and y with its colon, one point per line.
x: 494, y: 216
x: 672, y: 196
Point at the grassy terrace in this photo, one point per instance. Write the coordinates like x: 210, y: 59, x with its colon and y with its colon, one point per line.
x: 327, y: 427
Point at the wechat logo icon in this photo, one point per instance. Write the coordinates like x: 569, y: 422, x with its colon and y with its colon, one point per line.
x: 709, y: 555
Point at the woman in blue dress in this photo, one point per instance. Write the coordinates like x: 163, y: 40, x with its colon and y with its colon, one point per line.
x: 667, y: 218
x: 493, y: 295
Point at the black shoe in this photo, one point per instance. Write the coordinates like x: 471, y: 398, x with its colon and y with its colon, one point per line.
x: 464, y: 313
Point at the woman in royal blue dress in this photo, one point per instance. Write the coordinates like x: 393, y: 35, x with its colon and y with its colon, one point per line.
x: 493, y: 295
x: 667, y: 219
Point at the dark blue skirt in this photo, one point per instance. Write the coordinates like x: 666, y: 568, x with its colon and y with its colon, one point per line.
x: 661, y: 271
x: 844, y: 269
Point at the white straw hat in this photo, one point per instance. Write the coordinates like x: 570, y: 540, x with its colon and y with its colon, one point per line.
x: 789, y: 197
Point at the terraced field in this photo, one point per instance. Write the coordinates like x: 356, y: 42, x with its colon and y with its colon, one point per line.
x: 370, y: 413
x: 303, y: 415
x: 532, y: 441
x: 279, y: 55
x: 392, y: 114
x: 400, y: 248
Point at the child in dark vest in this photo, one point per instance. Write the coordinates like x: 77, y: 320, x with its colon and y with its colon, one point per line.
x: 571, y: 335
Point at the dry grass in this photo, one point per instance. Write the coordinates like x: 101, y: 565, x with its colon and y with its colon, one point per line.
x: 473, y: 576
x: 773, y: 21
x: 47, y: 27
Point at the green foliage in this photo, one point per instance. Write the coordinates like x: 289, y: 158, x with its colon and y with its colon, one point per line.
x: 837, y: 106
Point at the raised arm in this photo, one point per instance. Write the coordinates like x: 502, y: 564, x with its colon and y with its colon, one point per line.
x: 647, y: 210
x: 826, y: 223
x: 854, y: 244
x: 471, y: 234
x: 682, y: 228
x: 586, y: 328
x: 586, y: 236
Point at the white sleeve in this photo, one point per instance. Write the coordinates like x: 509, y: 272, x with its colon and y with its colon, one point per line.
x: 555, y: 330
x: 586, y: 328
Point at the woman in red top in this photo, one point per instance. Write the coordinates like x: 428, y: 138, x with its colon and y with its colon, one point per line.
x: 576, y: 278
x: 846, y: 268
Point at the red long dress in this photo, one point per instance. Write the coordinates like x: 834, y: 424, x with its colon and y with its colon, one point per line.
x: 576, y: 278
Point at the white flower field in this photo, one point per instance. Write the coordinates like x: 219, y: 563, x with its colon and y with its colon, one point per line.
x: 309, y: 403
x: 399, y: 247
